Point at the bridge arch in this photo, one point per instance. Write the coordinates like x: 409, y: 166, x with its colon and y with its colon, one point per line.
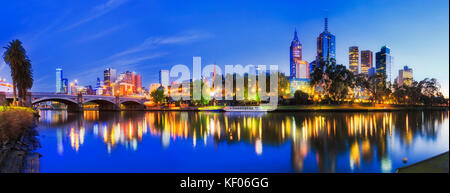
x: 132, y: 105
x: 103, y: 105
x: 72, y: 105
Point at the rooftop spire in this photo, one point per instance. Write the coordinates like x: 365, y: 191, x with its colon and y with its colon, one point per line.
x: 295, y: 34
x: 326, y: 24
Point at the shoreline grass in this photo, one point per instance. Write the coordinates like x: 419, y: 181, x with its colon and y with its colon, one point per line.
x: 435, y: 164
x: 15, y: 121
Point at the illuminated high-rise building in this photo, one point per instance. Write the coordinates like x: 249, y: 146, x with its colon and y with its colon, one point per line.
x: 298, y: 67
x: 405, y: 76
x: 65, y: 85
x: 110, y: 77
x: 326, y: 46
x: 138, y: 84
x: 353, y: 59
x: 59, y: 77
x: 384, y: 64
x: 107, y: 77
x: 366, y: 61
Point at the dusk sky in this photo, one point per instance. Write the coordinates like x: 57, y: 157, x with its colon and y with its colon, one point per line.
x: 85, y: 37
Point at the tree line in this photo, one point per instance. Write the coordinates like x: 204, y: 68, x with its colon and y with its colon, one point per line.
x: 335, y: 83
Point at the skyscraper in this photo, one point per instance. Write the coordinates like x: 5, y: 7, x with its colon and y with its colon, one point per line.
x: 326, y: 46
x: 366, y: 61
x: 59, y: 77
x: 113, y: 73
x: 405, y: 76
x: 138, y: 84
x: 353, y: 59
x: 384, y: 64
x: 298, y: 67
x: 110, y: 77
x: 107, y: 77
x: 65, y: 85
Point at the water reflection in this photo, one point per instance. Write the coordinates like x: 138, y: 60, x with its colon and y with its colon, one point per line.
x: 320, y: 142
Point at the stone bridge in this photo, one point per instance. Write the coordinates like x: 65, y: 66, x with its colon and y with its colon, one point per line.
x: 75, y: 102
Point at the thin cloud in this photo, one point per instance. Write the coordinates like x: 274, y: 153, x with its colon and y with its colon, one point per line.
x: 96, y: 12
x: 100, y: 34
x: 2, y: 65
x: 153, y: 42
x: 120, y: 64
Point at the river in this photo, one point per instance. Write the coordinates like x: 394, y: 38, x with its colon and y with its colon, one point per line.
x: 174, y: 141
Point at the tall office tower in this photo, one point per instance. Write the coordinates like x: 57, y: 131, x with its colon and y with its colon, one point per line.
x: 133, y: 78
x: 311, y: 66
x: 133, y: 81
x: 128, y: 78
x: 74, y: 87
x: 164, y: 78
x: 384, y: 64
x: 110, y: 77
x: 353, y: 59
x: 59, y: 77
x: 298, y: 67
x: 107, y: 77
x: 138, y: 84
x: 405, y: 76
x: 326, y: 46
x: 65, y: 85
x: 113, y: 73
x: 366, y: 61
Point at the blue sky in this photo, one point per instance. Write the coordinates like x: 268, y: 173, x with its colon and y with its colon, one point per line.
x: 85, y: 37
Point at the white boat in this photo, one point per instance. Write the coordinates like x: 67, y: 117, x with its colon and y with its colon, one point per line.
x: 248, y: 109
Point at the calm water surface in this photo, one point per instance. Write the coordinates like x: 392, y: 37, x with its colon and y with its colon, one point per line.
x: 238, y: 142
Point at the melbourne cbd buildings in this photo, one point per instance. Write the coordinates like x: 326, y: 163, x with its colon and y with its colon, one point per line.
x: 384, y: 62
x: 301, y: 69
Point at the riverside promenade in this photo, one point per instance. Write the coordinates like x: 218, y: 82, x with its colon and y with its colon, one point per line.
x: 313, y: 108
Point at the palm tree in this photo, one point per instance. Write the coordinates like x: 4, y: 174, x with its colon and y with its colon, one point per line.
x: 25, y: 81
x: 21, y: 73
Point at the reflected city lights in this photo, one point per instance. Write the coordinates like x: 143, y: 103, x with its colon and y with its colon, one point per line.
x: 361, y: 138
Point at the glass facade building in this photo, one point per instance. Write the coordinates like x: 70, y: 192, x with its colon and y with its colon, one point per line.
x: 109, y: 78
x: 65, y: 85
x: 59, y: 83
x: 298, y: 67
x: 353, y: 59
x: 405, y: 76
x: 366, y: 61
x: 326, y: 46
x: 384, y: 64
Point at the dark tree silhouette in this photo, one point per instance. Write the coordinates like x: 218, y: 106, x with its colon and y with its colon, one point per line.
x: 21, y: 72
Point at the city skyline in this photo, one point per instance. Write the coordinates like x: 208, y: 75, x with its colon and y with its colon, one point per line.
x: 153, y: 49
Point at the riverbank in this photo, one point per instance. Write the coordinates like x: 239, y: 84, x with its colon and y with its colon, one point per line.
x: 357, y: 107
x: 313, y: 108
x: 18, y: 140
x: 436, y: 164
